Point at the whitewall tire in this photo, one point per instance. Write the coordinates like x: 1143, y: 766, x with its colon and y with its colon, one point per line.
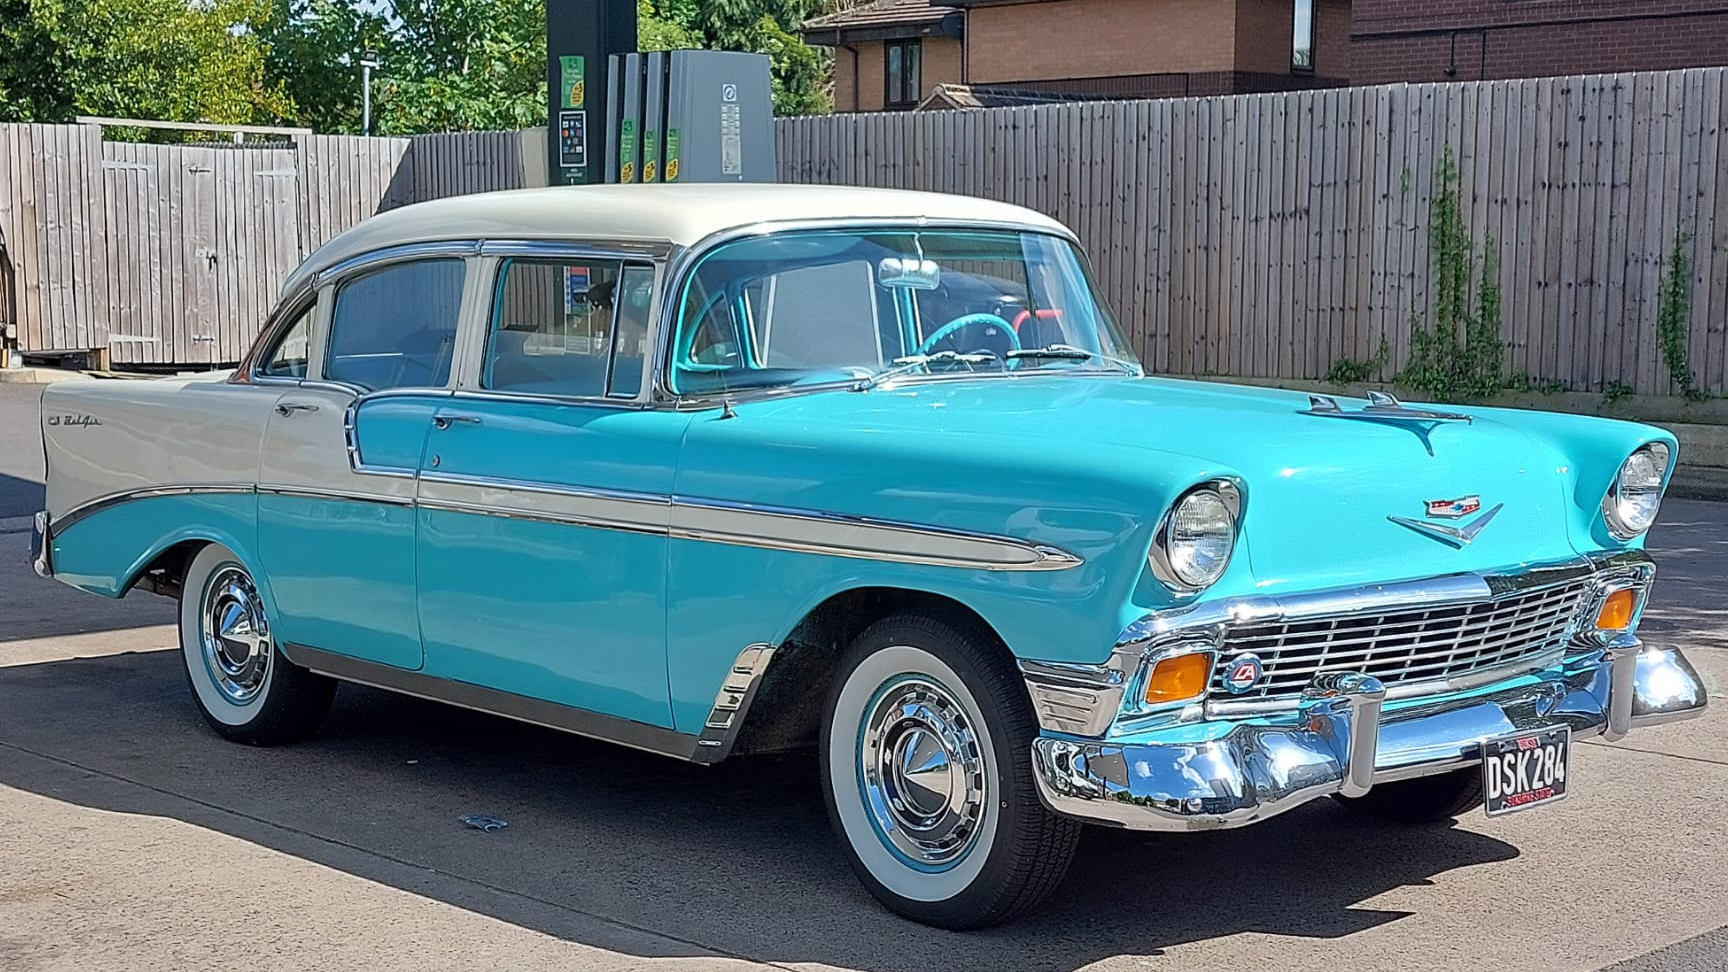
x: 926, y: 767
x: 244, y: 686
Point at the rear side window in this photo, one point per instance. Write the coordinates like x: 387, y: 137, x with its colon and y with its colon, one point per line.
x: 396, y: 326
x: 287, y: 357
x: 553, y: 325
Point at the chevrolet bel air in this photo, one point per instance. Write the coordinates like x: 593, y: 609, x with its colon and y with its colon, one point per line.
x: 711, y: 470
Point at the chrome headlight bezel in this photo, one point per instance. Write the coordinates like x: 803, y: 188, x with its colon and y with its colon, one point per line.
x: 1164, y: 565
x: 1613, y: 515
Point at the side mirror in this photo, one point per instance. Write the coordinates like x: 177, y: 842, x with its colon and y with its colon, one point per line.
x: 909, y: 273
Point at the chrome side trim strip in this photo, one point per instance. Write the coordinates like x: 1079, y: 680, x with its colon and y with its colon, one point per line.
x: 312, y: 492
x: 740, y: 524
x: 714, y: 521
x: 863, y: 538
x: 109, y: 500
x: 539, y: 712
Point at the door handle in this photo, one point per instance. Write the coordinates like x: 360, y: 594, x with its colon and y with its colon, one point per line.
x: 445, y: 421
x: 286, y: 409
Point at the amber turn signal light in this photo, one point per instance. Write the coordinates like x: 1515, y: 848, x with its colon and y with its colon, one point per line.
x: 1179, y: 678
x: 1616, y: 612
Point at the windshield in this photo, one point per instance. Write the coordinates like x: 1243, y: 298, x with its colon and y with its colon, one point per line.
x: 820, y: 307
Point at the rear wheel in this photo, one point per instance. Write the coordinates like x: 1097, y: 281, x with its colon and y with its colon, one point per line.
x: 246, y: 689
x: 927, y: 770
x: 1426, y: 799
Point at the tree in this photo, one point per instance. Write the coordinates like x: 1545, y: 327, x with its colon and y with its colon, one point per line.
x: 158, y: 59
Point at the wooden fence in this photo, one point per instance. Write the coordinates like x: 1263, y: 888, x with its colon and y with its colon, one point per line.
x: 1273, y: 235
x: 1259, y: 235
x: 173, y: 254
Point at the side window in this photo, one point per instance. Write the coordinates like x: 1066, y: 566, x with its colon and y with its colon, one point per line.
x: 396, y: 327
x: 552, y: 327
x: 287, y: 357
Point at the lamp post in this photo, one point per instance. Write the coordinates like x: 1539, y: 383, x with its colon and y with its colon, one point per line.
x: 368, y: 61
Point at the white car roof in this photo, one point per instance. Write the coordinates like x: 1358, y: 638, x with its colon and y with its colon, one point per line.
x: 679, y: 214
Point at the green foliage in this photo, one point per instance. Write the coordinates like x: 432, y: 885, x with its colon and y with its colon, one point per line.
x: 1614, y: 391
x: 157, y: 59
x: 799, y: 72
x: 1460, y: 354
x: 1354, y: 371
x: 445, y: 64
x: 1674, y: 314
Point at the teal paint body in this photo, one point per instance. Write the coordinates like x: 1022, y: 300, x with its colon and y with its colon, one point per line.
x: 644, y: 627
x: 345, y: 569
x: 568, y: 613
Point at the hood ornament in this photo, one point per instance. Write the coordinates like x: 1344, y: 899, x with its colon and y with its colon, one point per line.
x: 1386, y: 409
x: 1459, y: 537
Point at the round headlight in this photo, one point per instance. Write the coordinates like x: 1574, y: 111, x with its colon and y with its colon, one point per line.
x: 1636, y: 493
x: 1196, y: 539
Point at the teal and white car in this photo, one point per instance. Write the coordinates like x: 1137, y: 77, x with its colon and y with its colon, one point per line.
x: 709, y: 470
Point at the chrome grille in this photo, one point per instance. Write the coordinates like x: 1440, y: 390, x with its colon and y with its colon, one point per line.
x: 1406, y: 645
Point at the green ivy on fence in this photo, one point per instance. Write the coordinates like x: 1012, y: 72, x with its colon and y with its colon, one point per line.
x: 1460, y: 355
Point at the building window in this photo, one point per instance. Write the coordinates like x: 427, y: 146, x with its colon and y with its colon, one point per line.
x: 1302, y: 50
x: 902, y: 74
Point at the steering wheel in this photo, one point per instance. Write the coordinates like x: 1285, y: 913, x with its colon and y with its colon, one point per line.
x: 969, y: 320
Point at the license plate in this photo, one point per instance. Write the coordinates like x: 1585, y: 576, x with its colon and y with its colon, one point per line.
x: 1526, y: 770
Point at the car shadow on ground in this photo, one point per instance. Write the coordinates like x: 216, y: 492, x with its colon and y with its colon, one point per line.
x: 737, y: 858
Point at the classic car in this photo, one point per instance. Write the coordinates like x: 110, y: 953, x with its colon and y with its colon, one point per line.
x: 711, y: 470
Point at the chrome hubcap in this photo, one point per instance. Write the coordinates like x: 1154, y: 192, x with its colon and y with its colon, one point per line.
x: 923, y: 772
x: 234, y: 635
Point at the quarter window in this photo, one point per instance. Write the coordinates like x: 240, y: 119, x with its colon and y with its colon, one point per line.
x: 287, y: 357
x: 554, y: 325
x: 396, y: 327
x: 902, y: 73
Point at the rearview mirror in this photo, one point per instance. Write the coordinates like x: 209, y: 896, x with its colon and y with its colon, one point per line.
x: 909, y: 273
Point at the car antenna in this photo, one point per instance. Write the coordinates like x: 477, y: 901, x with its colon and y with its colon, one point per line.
x: 726, y: 409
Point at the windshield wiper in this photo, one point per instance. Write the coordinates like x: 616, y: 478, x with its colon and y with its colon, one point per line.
x: 911, y: 363
x: 1072, y: 353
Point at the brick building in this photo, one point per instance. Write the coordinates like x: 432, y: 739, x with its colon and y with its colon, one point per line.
x: 899, y: 54
x: 887, y: 49
x: 1467, y: 40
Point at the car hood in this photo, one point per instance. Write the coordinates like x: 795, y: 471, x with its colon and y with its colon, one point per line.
x: 1320, y: 491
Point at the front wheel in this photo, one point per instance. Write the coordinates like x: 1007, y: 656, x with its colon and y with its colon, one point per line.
x: 927, y: 770
x: 245, y: 688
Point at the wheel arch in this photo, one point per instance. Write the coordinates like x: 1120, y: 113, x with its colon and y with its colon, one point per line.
x: 787, y: 708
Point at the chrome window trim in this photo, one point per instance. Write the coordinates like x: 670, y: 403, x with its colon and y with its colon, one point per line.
x: 471, y: 385
x: 246, y: 372
x: 642, y: 251
x: 377, y: 259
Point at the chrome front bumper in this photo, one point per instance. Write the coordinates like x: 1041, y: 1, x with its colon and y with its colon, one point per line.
x: 1340, y: 740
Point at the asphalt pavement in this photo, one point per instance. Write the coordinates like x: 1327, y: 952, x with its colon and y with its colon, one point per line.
x: 131, y: 838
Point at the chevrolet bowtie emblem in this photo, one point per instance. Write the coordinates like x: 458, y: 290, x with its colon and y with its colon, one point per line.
x: 1459, y: 536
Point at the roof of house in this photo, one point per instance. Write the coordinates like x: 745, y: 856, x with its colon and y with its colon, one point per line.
x: 971, y: 96
x: 679, y: 214
x: 881, y: 13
